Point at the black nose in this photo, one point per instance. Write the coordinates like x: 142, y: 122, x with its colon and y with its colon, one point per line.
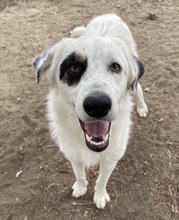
x: 97, y: 106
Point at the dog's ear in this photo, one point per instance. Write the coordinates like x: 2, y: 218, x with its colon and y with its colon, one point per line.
x: 138, y: 72
x: 43, y: 62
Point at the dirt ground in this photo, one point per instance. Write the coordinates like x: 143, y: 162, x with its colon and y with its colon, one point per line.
x: 35, y: 178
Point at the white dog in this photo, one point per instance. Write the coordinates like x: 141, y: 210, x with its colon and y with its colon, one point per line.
x: 89, y: 104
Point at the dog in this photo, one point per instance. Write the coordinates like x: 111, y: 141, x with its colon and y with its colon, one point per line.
x: 93, y: 75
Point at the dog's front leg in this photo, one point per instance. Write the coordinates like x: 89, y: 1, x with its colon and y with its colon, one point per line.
x: 142, y: 109
x: 101, y: 196
x: 80, y: 186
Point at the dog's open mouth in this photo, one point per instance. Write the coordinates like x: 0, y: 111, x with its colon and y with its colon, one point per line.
x: 96, y: 134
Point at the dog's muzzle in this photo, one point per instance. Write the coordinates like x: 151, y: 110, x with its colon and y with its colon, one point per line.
x: 97, y: 131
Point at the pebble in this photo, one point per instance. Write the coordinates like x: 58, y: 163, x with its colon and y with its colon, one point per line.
x: 19, y: 173
x: 146, y: 89
x: 152, y: 16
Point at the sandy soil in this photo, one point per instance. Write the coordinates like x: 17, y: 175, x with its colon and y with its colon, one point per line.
x: 35, y: 178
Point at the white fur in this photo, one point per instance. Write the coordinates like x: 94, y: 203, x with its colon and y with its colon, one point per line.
x: 106, y: 39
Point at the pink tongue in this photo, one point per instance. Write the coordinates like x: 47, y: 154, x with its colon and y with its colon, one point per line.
x: 97, y: 129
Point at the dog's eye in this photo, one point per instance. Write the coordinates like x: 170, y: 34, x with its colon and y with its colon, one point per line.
x: 115, y: 67
x: 74, y: 69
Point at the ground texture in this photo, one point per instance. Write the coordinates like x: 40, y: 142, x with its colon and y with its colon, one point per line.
x: 35, y: 178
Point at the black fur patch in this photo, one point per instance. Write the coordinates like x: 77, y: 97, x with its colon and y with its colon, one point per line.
x: 139, y: 73
x: 141, y: 69
x: 73, y: 77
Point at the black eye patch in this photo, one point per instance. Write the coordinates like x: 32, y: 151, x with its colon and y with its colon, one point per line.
x: 72, y: 68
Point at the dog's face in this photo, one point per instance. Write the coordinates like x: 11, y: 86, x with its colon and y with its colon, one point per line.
x: 93, y: 74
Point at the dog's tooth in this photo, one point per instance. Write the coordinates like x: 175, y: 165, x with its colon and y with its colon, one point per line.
x: 97, y: 143
x: 88, y: 138
x: 105, y: 137
x: 94, y: 143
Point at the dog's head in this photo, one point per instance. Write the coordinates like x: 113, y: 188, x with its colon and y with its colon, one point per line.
x: 94, y: 75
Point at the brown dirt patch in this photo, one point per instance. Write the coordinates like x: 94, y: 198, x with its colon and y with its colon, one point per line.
x: 145, y: 184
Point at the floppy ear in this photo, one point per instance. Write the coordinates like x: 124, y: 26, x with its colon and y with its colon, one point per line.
x: 43, y: 62
x: 139, y: 71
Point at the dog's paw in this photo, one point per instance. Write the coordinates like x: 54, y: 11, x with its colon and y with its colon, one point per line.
x: 79, y: 189
x: 142, y: 110
x: 101, y: 199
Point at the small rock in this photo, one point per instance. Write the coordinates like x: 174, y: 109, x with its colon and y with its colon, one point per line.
x: 146, y: 89
x: 19, y: 173
x: 86, y: 214
x: 152, y: 16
